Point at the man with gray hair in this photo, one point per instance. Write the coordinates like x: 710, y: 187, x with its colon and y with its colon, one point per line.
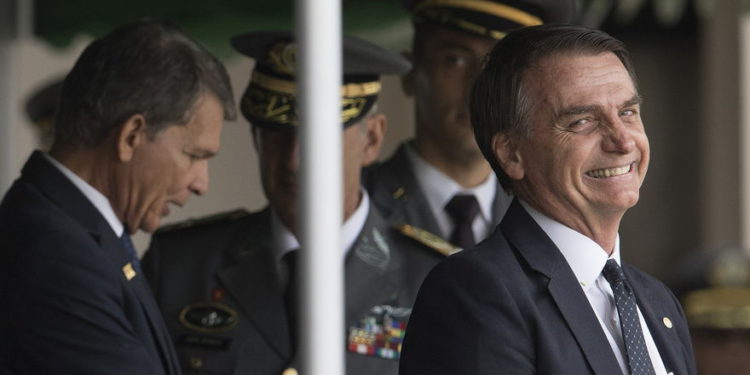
x: 140, y: 114
x: 556, y: 112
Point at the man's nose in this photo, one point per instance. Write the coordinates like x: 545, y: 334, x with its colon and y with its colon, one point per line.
x: 199, y: 184
x: 619, y: 137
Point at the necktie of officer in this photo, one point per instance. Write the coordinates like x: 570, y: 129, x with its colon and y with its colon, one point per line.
x: 291, y: 297
x: 463, y: 208
x: 635, y: 345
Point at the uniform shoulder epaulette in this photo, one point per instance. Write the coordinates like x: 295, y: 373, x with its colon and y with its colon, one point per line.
x: 205, y: 220
x: 428, y: 239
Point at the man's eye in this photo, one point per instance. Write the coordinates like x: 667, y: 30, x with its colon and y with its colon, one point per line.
x: 628, y: 112
x: 456, y: 60
x: 580, y: 123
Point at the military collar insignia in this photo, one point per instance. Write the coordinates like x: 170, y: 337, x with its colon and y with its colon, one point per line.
x: 428, y: 239
x: 208, y: 317
x: 373, y: 249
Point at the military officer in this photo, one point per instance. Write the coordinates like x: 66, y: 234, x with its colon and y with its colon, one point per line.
x: 439, y: 183
x: 223, y: 282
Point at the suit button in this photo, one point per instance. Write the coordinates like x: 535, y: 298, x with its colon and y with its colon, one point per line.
x: 290, y: 371
x: 196, y: 363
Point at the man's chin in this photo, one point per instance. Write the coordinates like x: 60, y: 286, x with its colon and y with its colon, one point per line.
x: 150, y: 225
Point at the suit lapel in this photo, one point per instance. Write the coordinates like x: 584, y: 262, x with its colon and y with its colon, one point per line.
x: 253, y: 281
x: 62, y: 191
x: 670, y: 346
x: 539, y: 251
x: 371, y: 269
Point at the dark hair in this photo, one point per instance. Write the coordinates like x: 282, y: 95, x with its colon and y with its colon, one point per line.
x: 498, y: 102
x: 147, y: 67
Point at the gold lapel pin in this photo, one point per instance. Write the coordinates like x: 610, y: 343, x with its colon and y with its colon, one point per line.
x: 667, y: 322
x: 128, y: 271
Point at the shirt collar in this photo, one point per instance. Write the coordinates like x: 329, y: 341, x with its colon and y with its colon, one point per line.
x: 438, y: 188
x: 353, y: 225
x: 94, y: 196
x: 284, y: 241
x: 585, y: 257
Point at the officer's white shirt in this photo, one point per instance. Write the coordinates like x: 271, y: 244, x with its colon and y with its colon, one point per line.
x: 94, y: 196
x: 587, y: 259
x: 283, y: 241
x: 439, y: 189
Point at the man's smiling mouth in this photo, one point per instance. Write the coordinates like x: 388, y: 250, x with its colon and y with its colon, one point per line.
x: 609, y: 172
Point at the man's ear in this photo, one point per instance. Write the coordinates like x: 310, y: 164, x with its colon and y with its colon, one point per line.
x: 407, y: 80
x: 375, y: 133
x: 130, y: 135
x: 508, y: 156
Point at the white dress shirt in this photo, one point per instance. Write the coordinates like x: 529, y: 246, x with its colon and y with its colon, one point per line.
x: 587, y: 259
x: 94, y: 196
x: 439, y: 189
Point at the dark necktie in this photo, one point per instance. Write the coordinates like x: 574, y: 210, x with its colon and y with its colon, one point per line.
x: 635, y: 345
x: 291, y: 297
x: 463, y: 208
x: 127, y: 243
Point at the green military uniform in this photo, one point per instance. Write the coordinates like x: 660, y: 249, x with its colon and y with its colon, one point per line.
x: 217, y: 284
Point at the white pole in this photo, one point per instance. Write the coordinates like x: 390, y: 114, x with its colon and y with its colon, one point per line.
x: 15, y: 24
x: 318, y: 32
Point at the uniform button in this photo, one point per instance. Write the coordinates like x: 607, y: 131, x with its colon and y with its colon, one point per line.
x: 290, y: 371
x: 667, y: 322
x: 196, y: 363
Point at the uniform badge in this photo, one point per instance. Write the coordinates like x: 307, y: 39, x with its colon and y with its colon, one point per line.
x: 209, y: 317
x: 380, y: 332
x: 374, y: 249
x: 128, y: 271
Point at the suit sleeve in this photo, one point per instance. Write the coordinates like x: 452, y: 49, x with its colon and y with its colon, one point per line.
x: 69, y: 313
x: 465, y: 322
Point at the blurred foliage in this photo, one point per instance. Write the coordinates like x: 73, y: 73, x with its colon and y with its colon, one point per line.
x: 210, y: 22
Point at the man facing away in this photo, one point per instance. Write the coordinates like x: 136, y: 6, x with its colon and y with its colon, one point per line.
x: 230, y: 303
x: 439, y: 182
x: 557, y: 114
x: 140, y: 114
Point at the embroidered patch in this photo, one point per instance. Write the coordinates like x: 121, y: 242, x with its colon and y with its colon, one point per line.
x: 208, y: 317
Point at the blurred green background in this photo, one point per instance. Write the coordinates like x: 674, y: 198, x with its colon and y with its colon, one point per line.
x: 210, y: 22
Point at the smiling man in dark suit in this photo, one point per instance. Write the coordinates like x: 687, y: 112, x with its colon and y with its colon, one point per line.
x: 140, y: 114
x: 557, y: 114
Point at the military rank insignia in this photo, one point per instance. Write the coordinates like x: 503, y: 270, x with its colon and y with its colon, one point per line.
x: 380, y: 332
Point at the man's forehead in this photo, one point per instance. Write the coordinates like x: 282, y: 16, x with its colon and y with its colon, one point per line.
x: 564, y: 73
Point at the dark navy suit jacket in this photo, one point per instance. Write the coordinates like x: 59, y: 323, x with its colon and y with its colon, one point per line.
x: 512, y: 305
x: 68, y: 307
